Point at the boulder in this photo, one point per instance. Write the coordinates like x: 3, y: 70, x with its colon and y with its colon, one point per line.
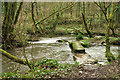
x: 85, y: 43
x: 114, y: 41
x: 79, y: 37
x: 76, y: 47
x: 62, y: 40
x: 83, y: 58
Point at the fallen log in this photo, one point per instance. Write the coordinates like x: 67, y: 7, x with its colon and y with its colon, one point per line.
x: 15, y: 59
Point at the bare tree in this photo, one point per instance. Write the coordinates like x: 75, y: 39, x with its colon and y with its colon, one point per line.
x: 104, y: 8
x: 11, y: 12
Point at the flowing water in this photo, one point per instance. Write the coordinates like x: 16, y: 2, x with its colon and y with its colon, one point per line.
x: 50, y: 48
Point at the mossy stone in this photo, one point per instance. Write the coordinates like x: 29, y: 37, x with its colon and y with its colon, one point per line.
x: 77, y: 47
x: 79, y: 36
x: 62, y: 40
x: 114, y: 41
x: 85, y: 43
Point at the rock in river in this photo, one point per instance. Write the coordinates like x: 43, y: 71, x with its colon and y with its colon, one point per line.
x: 76, y: 47
x: 62, y: 40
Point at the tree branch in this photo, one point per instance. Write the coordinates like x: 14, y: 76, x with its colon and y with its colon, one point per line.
x: 18, y: 12
x: 104, y: 12
x: 68, y: 7
x: 15, y: 59
x: 89, y: 33
x: 109, y: 5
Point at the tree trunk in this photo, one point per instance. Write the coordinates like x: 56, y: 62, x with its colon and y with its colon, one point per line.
x: 32, y: 6
x: 113, y: 32
x: 15, y: 59
x: 83, y: 7
x: 71, y: 12
x: 7, y: 28
x: 10, y: 19
x: 37, y: 13
x: 78, y: 13
x: 85, y: 24
x: 109, y: 55
x: 18, y: 12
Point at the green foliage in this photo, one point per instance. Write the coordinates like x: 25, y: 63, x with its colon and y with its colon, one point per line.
x: 11, y: 75
x: 48, y: 27
x: 85, y: 43
x: 114, y: 40
x: 48, y: 63
x: 79, y: 36
x: 118, y: 55
x: 110, y: 56
x: 47, y: 68
x: 76, y: 63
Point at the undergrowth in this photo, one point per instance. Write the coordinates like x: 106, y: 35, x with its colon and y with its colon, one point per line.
x: 46, y: 68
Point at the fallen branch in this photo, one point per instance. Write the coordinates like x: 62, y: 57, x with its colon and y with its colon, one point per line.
x: 15, y: 59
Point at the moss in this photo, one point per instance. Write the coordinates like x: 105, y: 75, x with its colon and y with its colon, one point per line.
x: 110, y: 57
x: 85, y: 43
x: 76, y: 47
x: 85, y: 38
x: 79, y: 36
x: 114, y: 41
x: 15, y: 59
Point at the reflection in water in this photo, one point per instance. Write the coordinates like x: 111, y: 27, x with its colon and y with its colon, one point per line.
x: 49, y: 48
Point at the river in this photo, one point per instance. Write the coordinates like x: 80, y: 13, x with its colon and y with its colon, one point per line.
x: 50, y: 48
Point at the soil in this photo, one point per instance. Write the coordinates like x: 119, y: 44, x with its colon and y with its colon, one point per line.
x: 101, y: 72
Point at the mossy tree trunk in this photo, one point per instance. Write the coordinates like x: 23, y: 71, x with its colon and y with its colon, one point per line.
x: 33, y: 18
x: 11, y: 13
x: 15, y: 59
x: 18, y: 60
x: 109, y: 55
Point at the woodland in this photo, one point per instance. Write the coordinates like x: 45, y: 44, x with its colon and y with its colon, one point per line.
x: 75, y: 28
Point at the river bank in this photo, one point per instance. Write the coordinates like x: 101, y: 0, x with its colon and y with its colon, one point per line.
x: 51, y: 49
x: 55, y: 70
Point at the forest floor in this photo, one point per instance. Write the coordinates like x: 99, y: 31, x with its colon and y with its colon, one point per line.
x: 75, y: 71
x: 110, y: 71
